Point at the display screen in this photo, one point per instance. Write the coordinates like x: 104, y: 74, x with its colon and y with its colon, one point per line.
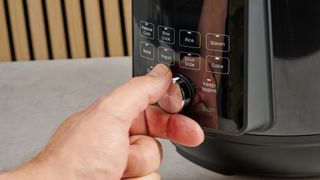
x: 204, y: 41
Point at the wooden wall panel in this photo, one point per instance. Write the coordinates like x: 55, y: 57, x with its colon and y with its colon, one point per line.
x: 94, y: 28
x: 5, y: 54
x: 19, y: 31
x: 37, y: 27
x: 77, y: 42
x: 113, y: 27
x: 56, y: 28
x: 128, y: 22
x: 75, y: 28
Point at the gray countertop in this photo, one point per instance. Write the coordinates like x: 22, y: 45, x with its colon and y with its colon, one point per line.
x: 35, y: 97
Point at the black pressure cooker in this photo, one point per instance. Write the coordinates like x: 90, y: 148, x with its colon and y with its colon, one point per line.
x: 248, y: 71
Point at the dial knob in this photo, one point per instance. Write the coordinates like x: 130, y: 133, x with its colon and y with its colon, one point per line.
x: 179, y: 95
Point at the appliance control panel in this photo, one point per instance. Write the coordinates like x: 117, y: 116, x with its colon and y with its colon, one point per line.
x: 203, y: 42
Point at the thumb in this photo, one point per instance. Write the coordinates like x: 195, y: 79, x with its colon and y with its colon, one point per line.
x: 125, y: 103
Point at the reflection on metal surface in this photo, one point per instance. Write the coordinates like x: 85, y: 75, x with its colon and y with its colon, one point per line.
x: 296, y: 27
x: 296, y: 67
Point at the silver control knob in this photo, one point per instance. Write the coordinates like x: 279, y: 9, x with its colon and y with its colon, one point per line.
x: 179, y: 95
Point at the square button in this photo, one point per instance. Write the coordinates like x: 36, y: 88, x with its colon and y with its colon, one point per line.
x: 147, y: 30
x: 218, y: 42
x: 218, y: 65
x: 166, y: 35
x: 190, y: 61
x: 147, y: 50
x: 190, y: 39
x: 166, y: 56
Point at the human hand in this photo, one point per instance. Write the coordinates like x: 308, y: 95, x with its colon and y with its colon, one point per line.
x: 114, y: 137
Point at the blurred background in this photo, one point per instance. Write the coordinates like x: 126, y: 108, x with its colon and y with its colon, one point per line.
x: 60, y: 29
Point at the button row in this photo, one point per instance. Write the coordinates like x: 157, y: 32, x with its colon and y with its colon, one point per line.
x: 192, y: 61
x: 191, y: 39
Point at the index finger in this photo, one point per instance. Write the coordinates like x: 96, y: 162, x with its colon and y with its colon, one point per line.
x: 126, y: 102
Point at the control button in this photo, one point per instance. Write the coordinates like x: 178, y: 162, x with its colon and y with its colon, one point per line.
x: 149, y: 69
x: 166, y: 56
x: 209, y: 86
x: 218, y: 42
x: 147, y: 30
x: 166, y: 35
x: 147, y: 50
x: 179, y: 95
x: 190, y: 61
x: 218, y: 65
x: 190, y: 39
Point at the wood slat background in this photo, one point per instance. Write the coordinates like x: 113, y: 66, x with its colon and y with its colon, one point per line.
x: 5, y: 54
x: 59, y: 29
x: 113, y: 27
x: 19, y: 29
x: 37, y: 27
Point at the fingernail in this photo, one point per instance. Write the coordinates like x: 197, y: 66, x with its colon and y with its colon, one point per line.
x: 159, y: 71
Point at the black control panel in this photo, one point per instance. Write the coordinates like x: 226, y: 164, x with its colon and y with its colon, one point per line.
x: 203, y: 41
